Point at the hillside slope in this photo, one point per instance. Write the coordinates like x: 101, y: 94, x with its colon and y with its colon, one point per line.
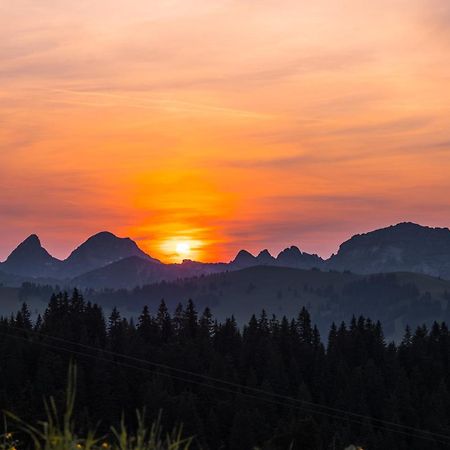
x: 396, y: 299
x: 404, y: 247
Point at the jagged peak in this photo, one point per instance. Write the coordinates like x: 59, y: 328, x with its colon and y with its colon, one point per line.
x: 264, y: 253
x: 293, y: 250
x: 27, y: 252
x: 242, y: 256
x: 32, y: 240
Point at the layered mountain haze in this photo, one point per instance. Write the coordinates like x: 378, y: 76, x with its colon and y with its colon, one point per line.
x: 107, y: 261
x: 396, y: 299
x: 126, y: 272
x: 114, y: 271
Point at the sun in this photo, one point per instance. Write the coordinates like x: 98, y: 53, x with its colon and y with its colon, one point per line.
x: 178, y: 248
x: 183, y: 248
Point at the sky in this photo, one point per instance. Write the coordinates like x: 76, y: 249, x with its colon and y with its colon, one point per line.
x: 227, y: 124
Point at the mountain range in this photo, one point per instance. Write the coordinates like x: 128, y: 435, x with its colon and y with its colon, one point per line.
x: 108, y: 261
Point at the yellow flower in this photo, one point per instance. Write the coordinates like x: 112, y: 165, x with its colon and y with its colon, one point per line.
x: 79, y: 446
x: 8, y: 435
x: 105, y: 445
x: 13, y: 448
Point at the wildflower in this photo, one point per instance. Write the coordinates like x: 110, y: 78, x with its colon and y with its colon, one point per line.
x: 8, y: 435
x: 105, y: 445
x: 79, y: 446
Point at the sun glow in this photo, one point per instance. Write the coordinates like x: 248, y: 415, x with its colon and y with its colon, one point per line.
x: 179, y: 248
x: 183, y: 248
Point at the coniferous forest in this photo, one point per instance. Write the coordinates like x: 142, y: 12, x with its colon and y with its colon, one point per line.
x: 274, y: 383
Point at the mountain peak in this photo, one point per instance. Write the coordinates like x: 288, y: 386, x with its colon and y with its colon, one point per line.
x: 290, y: 255
x: 100, y: 250
x: 31, y: 243
x: 405, y: 246
x: 264, y: 257
x: 105, y: 234
x: 244, y: 253
x: 294, y: 257
x: 30, y: 259
x: 244, y: 258
x: 33, y: 239
x: 290, y: 251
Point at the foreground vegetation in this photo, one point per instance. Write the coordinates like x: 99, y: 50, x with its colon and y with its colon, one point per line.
x: 58, y: 431
x: 280, y: 384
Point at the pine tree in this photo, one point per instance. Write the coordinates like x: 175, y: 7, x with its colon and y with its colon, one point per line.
x: 164, y: 323
x: 189, y: 322
x: 23, y: 318
x: 304, y: 327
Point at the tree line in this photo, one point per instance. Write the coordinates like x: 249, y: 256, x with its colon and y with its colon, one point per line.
x: 284, y: 384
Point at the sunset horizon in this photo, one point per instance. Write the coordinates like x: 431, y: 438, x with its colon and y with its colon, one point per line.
x: 176, y: 250
x: 229, y: 125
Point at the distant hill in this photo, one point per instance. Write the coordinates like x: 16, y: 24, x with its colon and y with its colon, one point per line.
x: 396, y: 299
x: 127, y: 272
x: 403, y: 247
x: 135, y: 271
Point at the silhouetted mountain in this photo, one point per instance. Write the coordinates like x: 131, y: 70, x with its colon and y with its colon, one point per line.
x: 30, y: 259
x: 290, y: 257
x: 293, y: 257
x: 125, y: 273
x: 403, y: 247
x: 264, y: 258
x: 133, y: 273
x: 243, y: 259
x: 100, y: 250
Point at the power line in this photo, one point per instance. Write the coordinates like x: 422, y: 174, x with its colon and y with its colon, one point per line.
x: 304, y: 405
x: 229, y: 383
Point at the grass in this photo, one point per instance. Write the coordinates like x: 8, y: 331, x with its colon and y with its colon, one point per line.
x: 58, y: 431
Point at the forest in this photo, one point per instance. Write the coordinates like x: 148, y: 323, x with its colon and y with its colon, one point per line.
x: 396, y: 299
x: 274, y: 383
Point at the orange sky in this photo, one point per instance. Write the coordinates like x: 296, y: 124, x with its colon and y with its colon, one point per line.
x: 231, y: 124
